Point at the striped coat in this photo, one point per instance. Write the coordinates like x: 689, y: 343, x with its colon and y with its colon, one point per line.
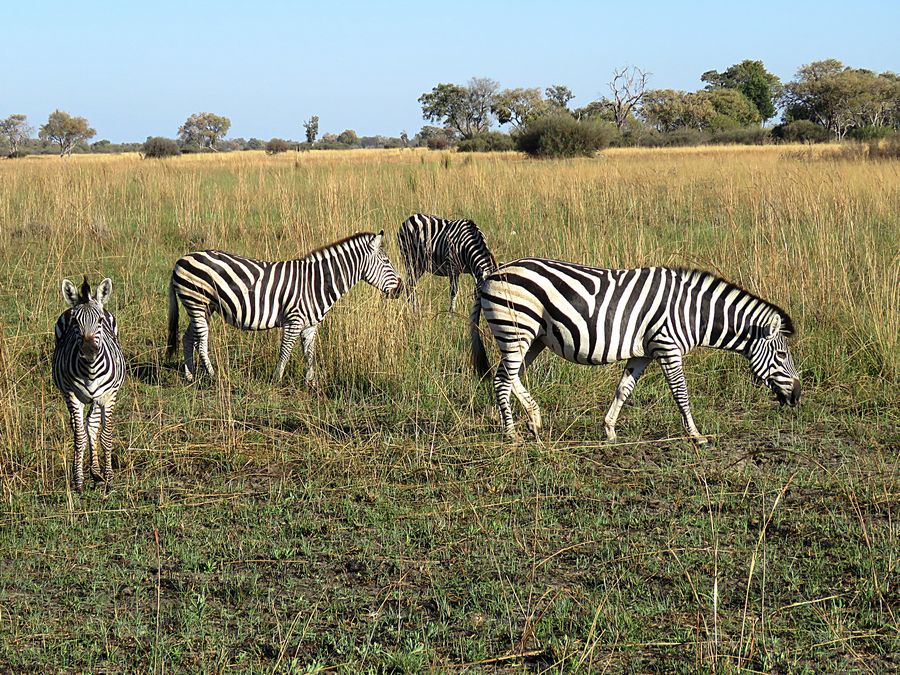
x: 294, y: 295
x: 445, y: 248
x: 593, y: 316
x: 89, y: 369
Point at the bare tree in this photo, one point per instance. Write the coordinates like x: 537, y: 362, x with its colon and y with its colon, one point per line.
x: 16, y: 131
x: 627, y: 86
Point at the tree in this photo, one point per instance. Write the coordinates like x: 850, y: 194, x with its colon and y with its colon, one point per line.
x: 840, y: 98
x: 276, y: 146
x: 65, y: 131
x: 348, y: 137
x: 15, y: 131
x: 204, y: 130
x: 312, y: 128
x: 733, y: 109
x: 668, y: 110
x: 627, y: 86
x: 158, y: 147
x: 466, y: 110
x: 559, y: 94
x: 434, y: 138
x: 751, y: 78
x: 517, y: 106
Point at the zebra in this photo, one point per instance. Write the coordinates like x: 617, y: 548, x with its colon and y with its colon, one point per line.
x: 593, y: 316
x: 89, y: 368
x: 446, y: 248
x: 293, y: 295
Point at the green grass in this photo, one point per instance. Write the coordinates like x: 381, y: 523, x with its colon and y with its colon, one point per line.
x: 383, y: 524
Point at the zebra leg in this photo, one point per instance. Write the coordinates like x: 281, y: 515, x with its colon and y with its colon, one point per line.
x: 76, y: 421
x: 412, y: 278
x: 528, y: 403
x: 93, y: 437
x: 634, y: 368
x: 674, y: 371
x: 308, y: 342
x: 106, y: 438
x: 505, y: 381
x: 454, y: 289
x: 201, y: 336
x: 187, y: 342
x: 290, y: 331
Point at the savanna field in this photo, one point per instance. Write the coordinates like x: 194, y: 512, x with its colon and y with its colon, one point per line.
x: 383, y: 523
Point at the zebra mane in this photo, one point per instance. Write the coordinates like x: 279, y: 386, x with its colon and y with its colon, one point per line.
x: 787, y: 324
x: 328, y: 249
x: 85, y: 290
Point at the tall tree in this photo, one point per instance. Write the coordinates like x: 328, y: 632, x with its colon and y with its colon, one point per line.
x: 752, y: 79
x: 15, y: 130
x: 466, y: 110
x: 517, y: 106
x: 733, y: 109
x: 840, y: 98
x: 559, y: 94
x: 668, y: 110
x: 204, y: 130
x: 311, y: 127
x: 65, y: 131
x: 627, y: 87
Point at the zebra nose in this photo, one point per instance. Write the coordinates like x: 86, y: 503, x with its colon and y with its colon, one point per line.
x: 89, y: 346
x: 795, y: 391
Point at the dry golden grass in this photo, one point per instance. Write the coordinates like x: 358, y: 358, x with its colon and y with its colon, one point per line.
x: 399, y: 464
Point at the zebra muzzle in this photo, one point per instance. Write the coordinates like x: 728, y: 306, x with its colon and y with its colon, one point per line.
x: 90, y: 347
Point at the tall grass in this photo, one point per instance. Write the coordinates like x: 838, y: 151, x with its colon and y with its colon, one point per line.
x: 404, y: 426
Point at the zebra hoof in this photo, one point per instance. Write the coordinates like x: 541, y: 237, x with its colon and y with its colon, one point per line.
x: 107, y: 486
x: 611, y: 435
x: 78, y: 486
x: 703, y: 443
x: 96, y: 476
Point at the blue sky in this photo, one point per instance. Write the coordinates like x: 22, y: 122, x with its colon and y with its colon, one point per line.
x: 139, y: 69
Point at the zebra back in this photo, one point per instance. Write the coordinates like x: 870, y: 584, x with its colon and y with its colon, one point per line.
x: 444, y: 247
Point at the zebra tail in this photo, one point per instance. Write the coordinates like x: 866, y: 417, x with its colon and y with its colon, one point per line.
x: 479, y: 356
x: 172, y: 342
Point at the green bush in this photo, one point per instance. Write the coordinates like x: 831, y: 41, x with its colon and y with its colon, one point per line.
x: 158, y: 147
x: 752, y: 135
x: 561, y: 135
x: 801, y: 131
x: 677, y: 138
x: 276, y: 146
x: 491, y: 141
x: 870, y: 132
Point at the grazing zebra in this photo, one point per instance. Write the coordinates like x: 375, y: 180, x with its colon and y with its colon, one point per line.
x: 89, y: 368
x: 593, y: 316
x: 446, y: 248
x: 293, y: 295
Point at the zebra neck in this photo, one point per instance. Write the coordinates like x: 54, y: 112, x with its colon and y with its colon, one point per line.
x: 329, y: 275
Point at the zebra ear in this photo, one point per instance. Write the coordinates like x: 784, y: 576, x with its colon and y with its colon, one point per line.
x: 104, y: 290
x: 377, y: 241
x: 70, y: 293
x: 773, y: 328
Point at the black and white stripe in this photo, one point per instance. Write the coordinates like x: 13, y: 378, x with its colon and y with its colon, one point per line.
x: 593, y: 316
x: 293, y: 295
x: 446, y: 248
x: 89, y: 368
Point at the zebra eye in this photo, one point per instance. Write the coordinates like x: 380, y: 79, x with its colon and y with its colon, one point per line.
x: 781, y: 354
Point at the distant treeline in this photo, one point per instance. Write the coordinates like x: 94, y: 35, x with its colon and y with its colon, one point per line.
x: 825, y: 101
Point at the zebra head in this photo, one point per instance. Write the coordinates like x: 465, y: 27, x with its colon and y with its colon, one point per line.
x: 378, y: 270
x: 770, y: 359
x: 86, y: 315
